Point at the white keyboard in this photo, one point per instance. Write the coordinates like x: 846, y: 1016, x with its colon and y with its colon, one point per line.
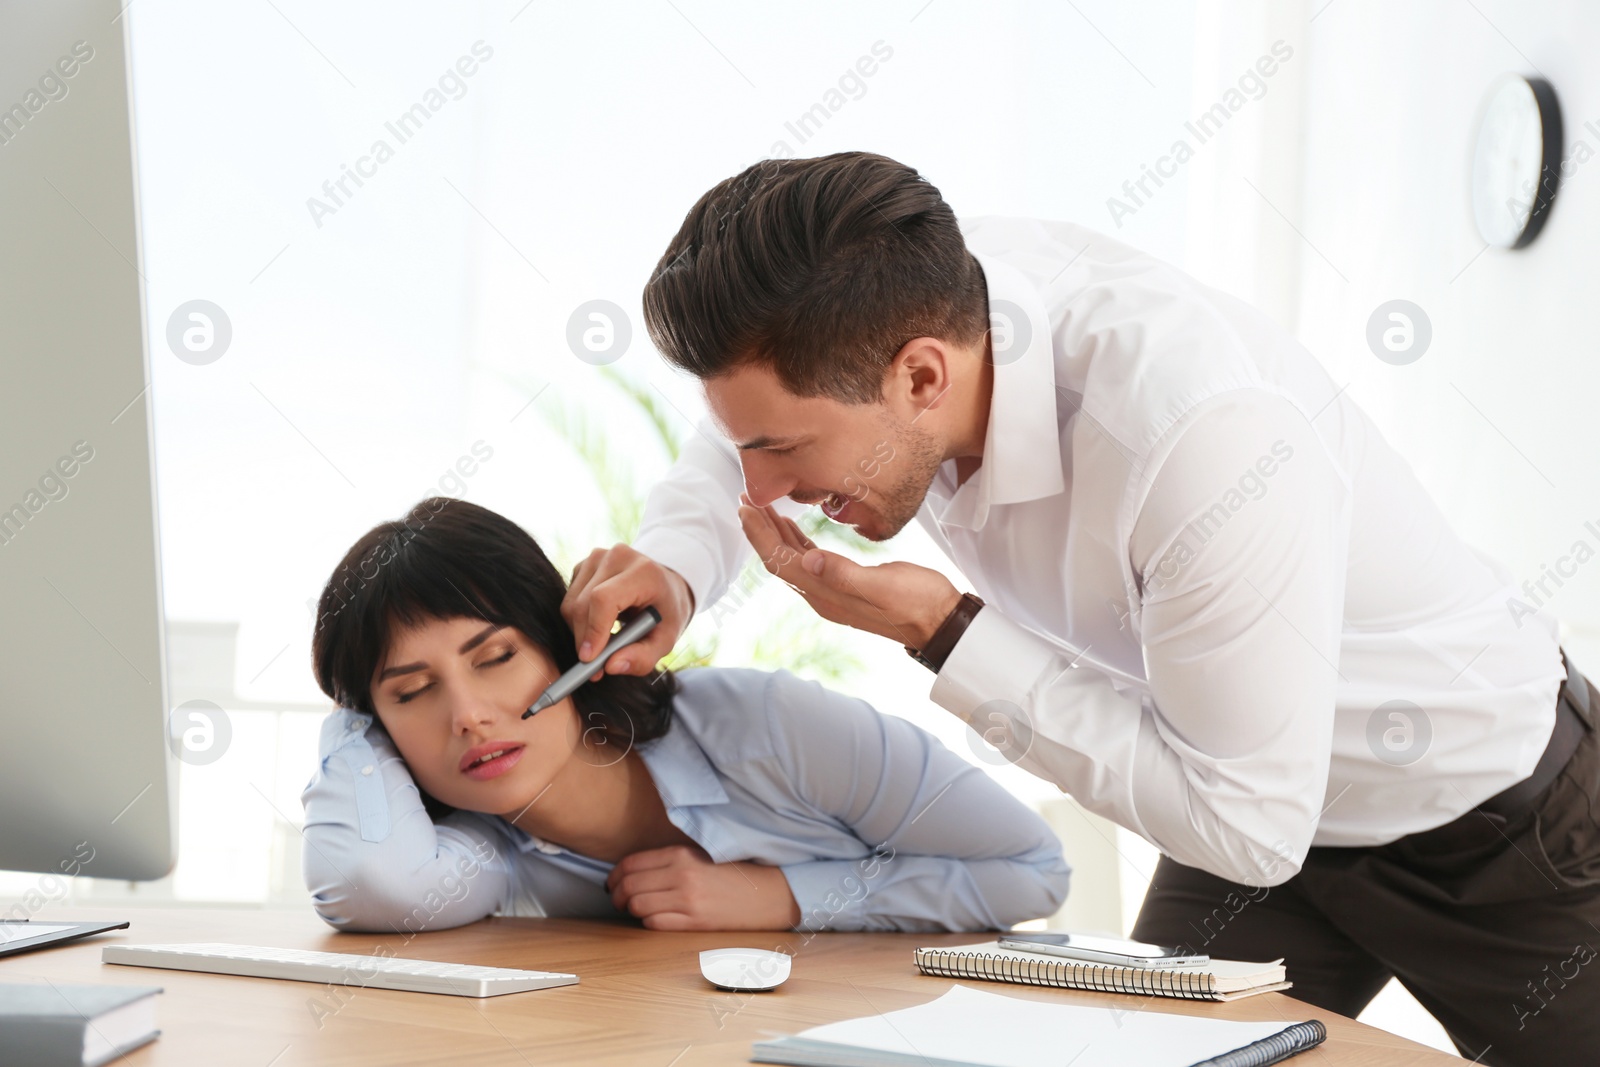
x: 337, y: 968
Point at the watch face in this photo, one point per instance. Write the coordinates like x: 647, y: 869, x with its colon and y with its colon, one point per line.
x: 1508, y: 200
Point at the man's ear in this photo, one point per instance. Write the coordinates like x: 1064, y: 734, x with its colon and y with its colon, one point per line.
x: 919, y: 378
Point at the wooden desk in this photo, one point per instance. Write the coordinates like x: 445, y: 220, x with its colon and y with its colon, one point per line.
x: 641, y: 999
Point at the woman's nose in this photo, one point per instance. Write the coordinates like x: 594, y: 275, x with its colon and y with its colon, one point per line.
x: 469, y: 711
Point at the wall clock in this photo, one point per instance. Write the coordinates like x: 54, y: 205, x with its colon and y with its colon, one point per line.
x: 1516, y: 161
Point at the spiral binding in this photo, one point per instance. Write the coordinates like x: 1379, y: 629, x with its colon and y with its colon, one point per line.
x: 1065, y: 974
x: 1280, y: 1046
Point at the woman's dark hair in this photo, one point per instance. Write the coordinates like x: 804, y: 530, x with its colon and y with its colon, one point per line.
x: 820, y: 269
x: 448, y: 558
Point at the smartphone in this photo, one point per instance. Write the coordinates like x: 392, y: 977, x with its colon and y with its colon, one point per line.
x: 1113, y: 950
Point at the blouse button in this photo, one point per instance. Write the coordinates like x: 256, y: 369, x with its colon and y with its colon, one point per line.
x: 367, y: 769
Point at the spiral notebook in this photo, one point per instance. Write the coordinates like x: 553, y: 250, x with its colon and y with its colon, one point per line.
x: 969, y: 1027
x: 1217, y: 980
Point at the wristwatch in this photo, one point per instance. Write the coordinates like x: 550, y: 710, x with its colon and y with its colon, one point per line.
x: 949, y: 632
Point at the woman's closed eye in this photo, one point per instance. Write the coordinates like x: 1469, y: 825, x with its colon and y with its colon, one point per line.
x: 507, y: 654
x: 401, y: 698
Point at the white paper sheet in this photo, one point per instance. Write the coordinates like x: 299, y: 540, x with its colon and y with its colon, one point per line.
x: 972, y: 1026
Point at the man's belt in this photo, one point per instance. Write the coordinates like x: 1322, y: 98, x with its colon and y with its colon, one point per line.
x: 1573, y: 716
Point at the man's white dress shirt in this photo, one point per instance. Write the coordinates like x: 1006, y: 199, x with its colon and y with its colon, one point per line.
x: 1221, y: 610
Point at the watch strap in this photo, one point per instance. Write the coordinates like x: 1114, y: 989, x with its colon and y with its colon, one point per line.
x: 949, y: 632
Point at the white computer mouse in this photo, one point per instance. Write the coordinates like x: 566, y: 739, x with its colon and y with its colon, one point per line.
x: 748, y: 970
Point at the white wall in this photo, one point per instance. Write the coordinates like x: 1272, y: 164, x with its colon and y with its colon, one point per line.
x: 1496, y: 416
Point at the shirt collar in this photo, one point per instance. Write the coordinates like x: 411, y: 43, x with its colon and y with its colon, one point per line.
x: 682, y: 773
x: 1022, y: 446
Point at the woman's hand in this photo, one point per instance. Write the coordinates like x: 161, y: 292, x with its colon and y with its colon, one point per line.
x: 680, y: 888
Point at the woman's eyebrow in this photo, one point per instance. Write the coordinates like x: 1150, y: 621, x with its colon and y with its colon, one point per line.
x: 482, y: 636
x: 390, y: 672
x: 472, y: 643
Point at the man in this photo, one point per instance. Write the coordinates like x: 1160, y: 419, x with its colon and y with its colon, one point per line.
x: 1211, y: 602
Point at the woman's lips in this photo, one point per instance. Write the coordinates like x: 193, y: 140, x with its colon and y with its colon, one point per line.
x: 481, y: 770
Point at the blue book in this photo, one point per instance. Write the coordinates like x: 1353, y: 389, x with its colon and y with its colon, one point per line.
x: 53, y: 1025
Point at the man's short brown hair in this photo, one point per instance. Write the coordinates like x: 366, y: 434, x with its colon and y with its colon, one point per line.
x: 821, y: 269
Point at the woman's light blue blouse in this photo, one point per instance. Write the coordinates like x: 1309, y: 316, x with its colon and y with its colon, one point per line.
x: 875, y: 824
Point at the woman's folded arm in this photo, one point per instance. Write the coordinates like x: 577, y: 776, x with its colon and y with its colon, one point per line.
x: 951, y: 849
x: 373, y: 858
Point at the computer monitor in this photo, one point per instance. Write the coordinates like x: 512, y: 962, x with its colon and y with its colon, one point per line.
x: 87, y: 777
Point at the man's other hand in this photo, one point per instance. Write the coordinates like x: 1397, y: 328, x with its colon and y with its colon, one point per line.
x: 897, y: 600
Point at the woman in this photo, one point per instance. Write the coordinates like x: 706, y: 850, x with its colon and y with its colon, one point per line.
x: 708, y: 799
